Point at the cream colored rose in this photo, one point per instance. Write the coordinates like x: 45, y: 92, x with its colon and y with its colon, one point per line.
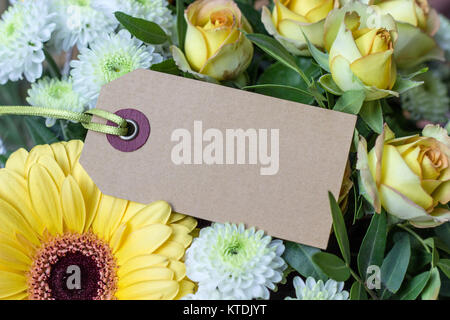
x: 290, y: 17
x: 214, y: 44
x: 409, y: 177
x: 360, y: 43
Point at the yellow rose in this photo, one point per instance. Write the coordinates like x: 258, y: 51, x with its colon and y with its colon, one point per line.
x: 214, y: 44
x: 417, y: 24
x: 290, y: 17
x: 409, y: 177
x: 360, y: 42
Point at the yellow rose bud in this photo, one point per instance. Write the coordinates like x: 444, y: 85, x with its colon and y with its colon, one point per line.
x: 361, y: 51
x: 214, y: 44
x: 409, y: 177
x: 417, y: 24
x: 290, y: 17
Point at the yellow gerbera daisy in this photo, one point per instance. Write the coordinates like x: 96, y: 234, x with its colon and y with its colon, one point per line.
x: 56, y: 224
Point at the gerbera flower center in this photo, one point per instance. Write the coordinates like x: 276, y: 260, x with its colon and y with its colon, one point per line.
x: 73, y: 267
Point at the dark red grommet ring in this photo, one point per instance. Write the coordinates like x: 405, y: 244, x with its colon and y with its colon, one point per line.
x: 140, y: 131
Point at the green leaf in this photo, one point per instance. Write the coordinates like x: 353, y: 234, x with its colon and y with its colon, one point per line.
x: 38, y: 132
x: 443, y: 233
x: 253, y: 17
x: 414, y: 287
x: 350, y: 102
x: 167, y: 66
x: 333, y: 266
x: 273, y: 48
x: 339, y: 228
x: 181, y: 24
x: 373, y: 245
x: 372, y: 115
x: 431, y: 291
x: 279, y: 74
x: 395, y: 264
x: 321, y: 58
x: 299, y: 257
x: 414, y: 74
x: 327, y: 82
x: 278, y: 86
x: 403, y: 85
x: 357, y: 292
x: 444, y: 265
x: 147, y: 31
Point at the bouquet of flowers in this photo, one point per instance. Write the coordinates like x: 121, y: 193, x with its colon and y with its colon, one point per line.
x: 385, y: 61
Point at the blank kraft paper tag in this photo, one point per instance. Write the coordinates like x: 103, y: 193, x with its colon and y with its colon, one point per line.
x: 223, y: 154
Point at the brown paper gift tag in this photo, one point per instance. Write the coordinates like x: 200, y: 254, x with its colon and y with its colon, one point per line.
x: 287, y: 197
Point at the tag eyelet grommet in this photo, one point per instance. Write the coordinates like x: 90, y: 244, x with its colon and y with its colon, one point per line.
x: 133, y: 126
x: 140, y: 125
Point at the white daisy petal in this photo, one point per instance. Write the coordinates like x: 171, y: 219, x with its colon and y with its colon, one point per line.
x: 317, y: 290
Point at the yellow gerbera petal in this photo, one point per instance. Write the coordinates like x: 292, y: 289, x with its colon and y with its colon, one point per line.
x: 179, y: 269
x: 143, y: 241
x: 61, y: 157
x: 91, y: 194
x: 181, y: 235
x: 35, y: 154
x: 12, y: 223
x: 154, y: 290
x: 189, y: 222
x: 45, y: 199
x: 144, y: 261
x: 73, y: 149
x: 19, y: 296
x: 13, y: 189
x: 186, y: 287
x: 16, y: 162
x: 11, y: 284
x: 109, y: 215
x: 172, y: 250
x: 156, y: 212
x: 53, y: 169
x: 73, y: 205
x: 146, y: 274
x: 14, y: 258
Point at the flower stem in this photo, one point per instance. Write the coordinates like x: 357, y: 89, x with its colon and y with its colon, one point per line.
x: 415, y: 235
x: 357, y: 278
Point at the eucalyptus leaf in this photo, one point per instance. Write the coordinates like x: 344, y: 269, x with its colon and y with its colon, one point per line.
x: 372, y: 115
x: 431, y: 291
x: 414, y: 287
x: 299, y: 257
x: 327, y: 82
x: 333, y: 266
x: 350, y: 102
x: 144, y: 30
x: 339, y: 228
x: 373, y: 245
x: 357, y: 292
x: 444, y: 265
x: 443, y: 233
x: 395, y: 264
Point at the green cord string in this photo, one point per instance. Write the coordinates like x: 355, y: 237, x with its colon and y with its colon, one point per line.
x: 84, y: 118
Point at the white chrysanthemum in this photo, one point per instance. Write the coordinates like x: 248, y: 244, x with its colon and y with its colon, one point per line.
x: 78, y: 23
x: 24, y: 28
x: 229, y: 261
x: 107, y: 59
x: 205, y: 294
x: 156, y: 11
x: 55, y: 94
x: 317, y: 290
